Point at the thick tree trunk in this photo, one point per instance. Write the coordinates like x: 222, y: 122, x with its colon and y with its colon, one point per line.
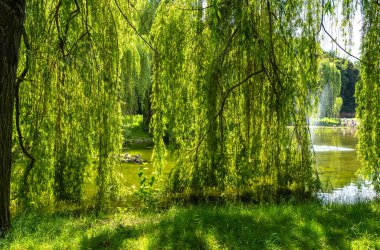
x: 11, y: 21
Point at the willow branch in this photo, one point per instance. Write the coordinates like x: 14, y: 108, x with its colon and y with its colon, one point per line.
x: 203, y: 8
x: 228, y: 92
x: 17, y: 106
x: 208, y: 6
x: 272, y: 58
x: 80, y: 38
x: 343, y: 49
x: 191, y: 39
x: 135, y: 29
x: 27, y: 62
x: 322, y: 18
x: 63, y: 37
x: 56, y: 18
x: 141, y: 18
x: 73, y: 14
x: 229, y: 44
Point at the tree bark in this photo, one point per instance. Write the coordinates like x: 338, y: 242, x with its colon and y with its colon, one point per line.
x: 12, y: 13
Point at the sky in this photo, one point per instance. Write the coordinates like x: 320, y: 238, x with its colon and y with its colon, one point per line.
x: 335, y: 31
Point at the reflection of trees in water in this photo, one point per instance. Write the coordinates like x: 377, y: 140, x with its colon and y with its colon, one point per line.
x: 336, y: 168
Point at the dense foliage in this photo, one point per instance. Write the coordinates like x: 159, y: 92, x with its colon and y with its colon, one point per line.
x: 329, y: 98
x: 84, y: 63
x: 368, y: 91
x: 233, y: 95
x: 230, y: 84
x: 343, y: 84
x: 349, y: 77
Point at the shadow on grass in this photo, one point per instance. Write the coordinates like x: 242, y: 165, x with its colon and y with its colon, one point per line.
x: 110, y: 239
x: 250, y: 227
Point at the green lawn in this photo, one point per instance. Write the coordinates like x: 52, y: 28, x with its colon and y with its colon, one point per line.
x: 302, y: 226
x: 133, y: 128
x: 329, y: 121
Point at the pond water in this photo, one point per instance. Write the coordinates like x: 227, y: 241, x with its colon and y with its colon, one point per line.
x: 335, y: 153
x: 336, y: 163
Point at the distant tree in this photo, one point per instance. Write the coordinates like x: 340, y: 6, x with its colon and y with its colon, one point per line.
x: 350, y: 76
x: 136, y: 63
x: 330, y: 83
x: 231, y: 76
x: 337, y: 106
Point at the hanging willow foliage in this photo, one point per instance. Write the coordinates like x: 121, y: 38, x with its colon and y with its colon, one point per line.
x: 330, y: 89
x: 368, y: 91
x: 230, y: 89
x: 231, y: 93
x: 71, y: 101
x: 136, y: 60
x: 38, y: 97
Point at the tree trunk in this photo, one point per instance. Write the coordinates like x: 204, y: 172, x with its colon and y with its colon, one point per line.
x: 11, y: 20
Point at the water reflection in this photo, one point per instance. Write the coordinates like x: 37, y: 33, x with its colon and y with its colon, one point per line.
x: 323, y: 148
x: 349, y: 194
x: 337, y: 165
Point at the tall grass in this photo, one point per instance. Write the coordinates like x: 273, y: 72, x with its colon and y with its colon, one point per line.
x: 300, y: 226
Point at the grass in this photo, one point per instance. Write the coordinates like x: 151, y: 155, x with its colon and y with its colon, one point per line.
x: 329, y: 121
x: 134, y: 129
x: 236, y: 226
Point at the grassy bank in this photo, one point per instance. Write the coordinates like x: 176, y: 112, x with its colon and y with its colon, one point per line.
x: 133, y: 128
x: 303, y: 226
x: 327, y: 122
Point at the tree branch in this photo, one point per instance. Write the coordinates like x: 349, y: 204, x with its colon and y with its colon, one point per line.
x: 135, y: 29
x: 17, y: 107
x: 73, y: 14
x: 322, y: 17
x: 228, y: 92
x: 141, y: 18
x: 27, y: 62
x: 334, y: 40
x: 234, y: 87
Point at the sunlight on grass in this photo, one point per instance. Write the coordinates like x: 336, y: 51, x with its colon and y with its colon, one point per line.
x: 133, y: 128
x: 300, y: 226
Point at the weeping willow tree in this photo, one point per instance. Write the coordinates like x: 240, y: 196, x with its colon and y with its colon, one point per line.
x: 70, y: 115
x: 230, y: 90
x: 31, y: 179
x: 136, y: 61
x: 231, y: 86
x: 329, y: 97
x: 136, y: 78
x: 368, y: 91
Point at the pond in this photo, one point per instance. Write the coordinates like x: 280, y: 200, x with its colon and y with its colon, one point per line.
x: 335, y: 154
x: 336, y: 163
